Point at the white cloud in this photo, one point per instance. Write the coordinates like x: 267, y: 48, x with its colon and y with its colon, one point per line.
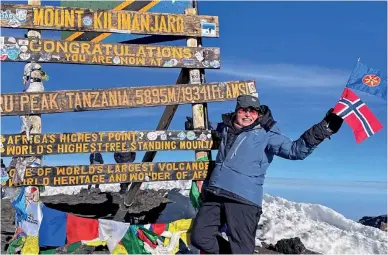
x: 287, y: 75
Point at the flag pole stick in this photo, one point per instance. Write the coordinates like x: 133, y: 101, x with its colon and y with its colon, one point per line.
x: 358, y: 60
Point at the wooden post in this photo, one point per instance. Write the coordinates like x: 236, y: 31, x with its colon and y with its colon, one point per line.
x: 149, y: 156
x: 33, y: 76
x: 200, y: 120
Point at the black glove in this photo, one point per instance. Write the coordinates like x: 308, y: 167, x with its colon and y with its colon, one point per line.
x: 334, y: 122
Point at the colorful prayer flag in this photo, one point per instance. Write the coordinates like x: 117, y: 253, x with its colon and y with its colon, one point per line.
x: 112, y: 232
x: 158, y: 228
x: 80, y: 229
x: 132, y: 244
x: 31, y: 224
x: 53, y: 228
x: 195, y: 195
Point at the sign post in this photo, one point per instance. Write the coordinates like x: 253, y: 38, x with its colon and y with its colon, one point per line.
x: 31, y: 124
x: 84, y: 46
x: 200, y: 120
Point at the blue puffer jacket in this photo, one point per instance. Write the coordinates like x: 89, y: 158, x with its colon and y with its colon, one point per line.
x: 243, y: 168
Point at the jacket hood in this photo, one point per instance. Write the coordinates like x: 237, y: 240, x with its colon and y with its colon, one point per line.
x: 266, y: 121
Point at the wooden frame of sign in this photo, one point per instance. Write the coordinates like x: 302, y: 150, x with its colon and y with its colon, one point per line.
x: 12, y: 104
x: 84, y: 19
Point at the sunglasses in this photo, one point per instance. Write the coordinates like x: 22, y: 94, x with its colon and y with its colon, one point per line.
x: 249, y: 109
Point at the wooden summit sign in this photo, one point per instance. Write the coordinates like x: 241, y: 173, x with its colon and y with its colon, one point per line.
x: 113, y: 173
x: 127, y: 97
x: 67, y: 143
x: 130, y: 22
x: 109, y: 54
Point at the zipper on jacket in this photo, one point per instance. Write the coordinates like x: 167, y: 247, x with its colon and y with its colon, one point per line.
x: 238, y: 146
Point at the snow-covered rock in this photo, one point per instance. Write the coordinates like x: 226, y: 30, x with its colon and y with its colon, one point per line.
x: 320, y: 228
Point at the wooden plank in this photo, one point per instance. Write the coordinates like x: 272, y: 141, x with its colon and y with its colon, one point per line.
x: 117, y: 98
x: 112, y: 173
x: 108, y: 54
x: 85, y: 19
x: 69, y: 143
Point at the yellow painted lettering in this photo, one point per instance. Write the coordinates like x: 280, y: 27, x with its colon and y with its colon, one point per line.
x: 163, y: 25
x: 34, y: 46
x: 180, y: 24
x: 74, y: 47
x: 125, y: 21
x: 96, y: 20
x: 59, y: 19
x: 49, y: 17
x: 79, y: 17
x: 187, y: 53
x: 69, y: 18
x: 105, y: 20
x: 145, y: 22
x: 155, y: 28
x: 96, y: 49
x: 171, y: 23
x: 135, y: 23
x: 38, y: 16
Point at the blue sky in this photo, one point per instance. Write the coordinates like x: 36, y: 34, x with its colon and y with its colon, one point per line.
x: 300, y: 54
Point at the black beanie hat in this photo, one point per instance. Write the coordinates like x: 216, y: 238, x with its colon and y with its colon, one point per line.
x: 245, y: 101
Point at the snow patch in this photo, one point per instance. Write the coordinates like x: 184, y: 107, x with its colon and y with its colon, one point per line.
x: 320, y: 228
x: 72, y: 190
x: 183, y: 186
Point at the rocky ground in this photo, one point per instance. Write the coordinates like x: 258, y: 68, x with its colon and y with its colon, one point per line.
x: 379, y: 222
x: 104, y: 205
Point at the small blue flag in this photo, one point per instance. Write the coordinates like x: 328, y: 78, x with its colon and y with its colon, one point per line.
x: 19, y: 204
x: 368, y: 80
x: 52, y: 232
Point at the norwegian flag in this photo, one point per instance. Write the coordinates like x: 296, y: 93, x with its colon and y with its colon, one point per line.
x: 358, y: 116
